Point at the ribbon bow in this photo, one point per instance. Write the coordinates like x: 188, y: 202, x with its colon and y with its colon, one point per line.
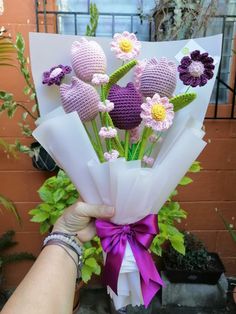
x: 139, y: 235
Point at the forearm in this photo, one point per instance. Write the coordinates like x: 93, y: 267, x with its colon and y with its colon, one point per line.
x: 48, y: 287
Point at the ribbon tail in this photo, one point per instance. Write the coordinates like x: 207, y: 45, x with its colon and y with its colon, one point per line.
x: 150, y: 279
x: 113, y: 264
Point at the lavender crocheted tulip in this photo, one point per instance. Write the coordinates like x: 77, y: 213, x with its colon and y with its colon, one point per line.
x: 88, y: 59
x: 80, y: 97
x: 127, y: 106
x: 159, y: 76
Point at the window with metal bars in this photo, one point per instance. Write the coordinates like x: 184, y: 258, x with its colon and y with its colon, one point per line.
x: 72, y: 16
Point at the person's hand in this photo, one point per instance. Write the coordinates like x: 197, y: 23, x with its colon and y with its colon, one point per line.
x: 78, y: 218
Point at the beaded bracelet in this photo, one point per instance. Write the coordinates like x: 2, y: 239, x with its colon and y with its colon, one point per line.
x: 66, y: 240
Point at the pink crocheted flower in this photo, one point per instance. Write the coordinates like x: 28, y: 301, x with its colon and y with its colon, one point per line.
x: 158, y: 76
x: 127, y: 106
x: 134, y: 135
x: 87, y: 59
x: 80, y: 97
x: 148, y: 160
x: 138, y: 71
x: 114, y: 154
x: 107, y: 132
x: 158, y: 113
x: 126, y: 46
x: 100, y: 79
x: 105, y: 106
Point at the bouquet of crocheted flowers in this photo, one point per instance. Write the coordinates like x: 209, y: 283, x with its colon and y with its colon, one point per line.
x: 125, y: 138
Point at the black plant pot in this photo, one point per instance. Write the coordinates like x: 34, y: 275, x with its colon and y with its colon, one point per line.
x: 41, y: 159
x: 210, y: 276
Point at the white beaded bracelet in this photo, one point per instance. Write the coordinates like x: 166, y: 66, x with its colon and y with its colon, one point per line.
x: 67, y: 240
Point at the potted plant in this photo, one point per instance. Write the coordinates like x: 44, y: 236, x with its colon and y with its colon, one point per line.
x: 197, y: 265
x: 6, y: 242
x: 232, y: 232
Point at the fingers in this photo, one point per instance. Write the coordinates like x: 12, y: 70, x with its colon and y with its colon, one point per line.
x: 87, y: 233
x: 96, y: 211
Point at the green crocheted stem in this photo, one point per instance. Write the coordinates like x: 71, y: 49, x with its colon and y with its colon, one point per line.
x: 182, y: 100
x: 117, y: 75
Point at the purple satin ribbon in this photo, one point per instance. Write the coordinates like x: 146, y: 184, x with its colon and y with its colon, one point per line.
x: 139, y: 235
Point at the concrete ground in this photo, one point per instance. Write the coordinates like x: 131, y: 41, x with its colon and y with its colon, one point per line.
x: 96, y: 301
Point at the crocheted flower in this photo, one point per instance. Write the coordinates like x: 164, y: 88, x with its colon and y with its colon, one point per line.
x: 105, y: 106
x: 114, y: 154
x: 107, y: 132
x: 126, y: 45
x: 87, y: 59
x: 127, y: 106
x: 80, y: 97
x: 158, y: 76
x: 148, y: 160
x: 197, y: 69
x: 100, y: 79
x: 138, y: 71
x: 55, y: 74
x: 157, y: 113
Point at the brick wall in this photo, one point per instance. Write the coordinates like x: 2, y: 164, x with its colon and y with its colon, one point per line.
x: 213, y: 188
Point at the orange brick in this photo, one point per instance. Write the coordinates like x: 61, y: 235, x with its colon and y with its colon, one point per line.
x: 230, y: 266
x: 225, y: 245
x: 207, y: 237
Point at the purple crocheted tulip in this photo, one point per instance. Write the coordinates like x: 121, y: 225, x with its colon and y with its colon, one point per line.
x: 88, y: 59
x: 127, y: 106
x: 80, y: 97
x: 197, y: 69
x: 159, y: 76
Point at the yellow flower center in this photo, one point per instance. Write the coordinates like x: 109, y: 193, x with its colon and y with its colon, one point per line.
x: 126, y: 45
x: 158, y: 112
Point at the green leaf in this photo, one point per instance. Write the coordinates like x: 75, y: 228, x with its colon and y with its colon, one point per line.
x: 20, y: 43
x: 40, y: 217
x: 34, y: 211
x: 182, y: 100
x: 46, y: 195
x: 91, y: 262
x: 88, y: 251
x: 58, y: 194
x: 34, y: 108
x: 24, y: 115
x: 185, y: 181
x: 44, y: 227
x: 27, y: 90
x: 178, y: 243
x: 86, y: 273
x: 196, y: 167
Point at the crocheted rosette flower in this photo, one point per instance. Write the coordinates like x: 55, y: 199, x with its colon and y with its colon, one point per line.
x: 126, y: 46
x: 127, y: 106
x: 80, y: 97
x: 197, y: 69
x: 157, y: 113
x: 158, y: 76
x: 87, y: 58
x: 55, y: 74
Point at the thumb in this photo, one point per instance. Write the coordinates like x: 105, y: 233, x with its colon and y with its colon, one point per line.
x: 95, y: 211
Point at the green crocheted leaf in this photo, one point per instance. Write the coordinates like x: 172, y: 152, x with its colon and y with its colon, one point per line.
x: 182, y: 100
x: 117, y: 75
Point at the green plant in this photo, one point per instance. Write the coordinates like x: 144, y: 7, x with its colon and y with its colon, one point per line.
x: 181, y: 19
x: 228, y: 226
x: 168, y: 215
x: 6, y: 242
x: 196, y: 256
x: 93, y: 23
x: 57, y: 193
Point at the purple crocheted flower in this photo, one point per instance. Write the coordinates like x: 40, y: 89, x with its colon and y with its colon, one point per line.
x: 158, y: 76
x: 127, y: 106
x: 81, y: 97
x: 55, y: 74
x: 197, y: 69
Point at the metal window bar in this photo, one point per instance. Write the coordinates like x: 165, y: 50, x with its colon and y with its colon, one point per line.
x: 42, y: 13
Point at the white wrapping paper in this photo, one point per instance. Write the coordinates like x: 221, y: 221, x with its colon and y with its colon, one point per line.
x: 134, y: 191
